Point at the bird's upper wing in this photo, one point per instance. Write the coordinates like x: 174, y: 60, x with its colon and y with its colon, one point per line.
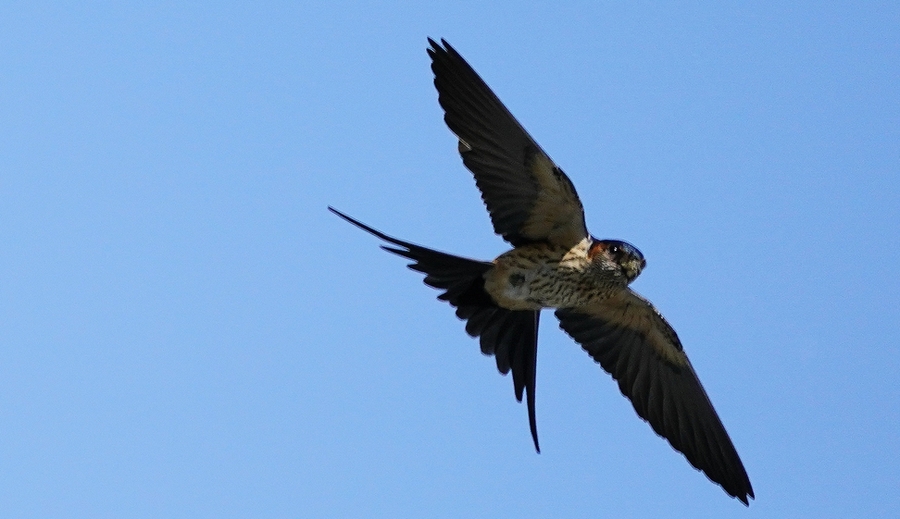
x: 529, y: 198
x: 635, y: 344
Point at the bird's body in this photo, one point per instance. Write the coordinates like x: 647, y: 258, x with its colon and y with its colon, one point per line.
x: 540, y: 275
x: 556, y: 263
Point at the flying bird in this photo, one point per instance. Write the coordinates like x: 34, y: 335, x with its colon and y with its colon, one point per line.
x: 556, y: 263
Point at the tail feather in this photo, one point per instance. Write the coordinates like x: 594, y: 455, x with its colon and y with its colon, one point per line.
x: 509, y: 335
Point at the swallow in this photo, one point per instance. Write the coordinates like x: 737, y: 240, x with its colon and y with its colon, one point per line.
x: 556, y: 263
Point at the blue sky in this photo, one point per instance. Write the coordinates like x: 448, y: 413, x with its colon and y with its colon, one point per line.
x: 185, y: 331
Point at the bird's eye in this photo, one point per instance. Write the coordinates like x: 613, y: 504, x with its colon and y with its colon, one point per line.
x: 614, y: 250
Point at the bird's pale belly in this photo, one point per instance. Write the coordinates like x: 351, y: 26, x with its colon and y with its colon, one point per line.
x: 538, y: 276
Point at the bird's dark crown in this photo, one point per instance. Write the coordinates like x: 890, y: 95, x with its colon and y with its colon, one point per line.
x: 626, y: 255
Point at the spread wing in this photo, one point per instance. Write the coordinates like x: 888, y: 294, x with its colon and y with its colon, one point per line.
x: 635, y: 344
x: 529, y: 197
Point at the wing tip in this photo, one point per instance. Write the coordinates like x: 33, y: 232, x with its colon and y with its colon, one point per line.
x: 747, y: 492
x: 439, y: 47
x: 746, y: 496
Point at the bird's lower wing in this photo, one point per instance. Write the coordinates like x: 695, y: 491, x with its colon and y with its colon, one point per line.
x: 635, y: 344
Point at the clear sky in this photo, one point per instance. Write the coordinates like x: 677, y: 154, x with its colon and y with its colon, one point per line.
x: 186, y: 331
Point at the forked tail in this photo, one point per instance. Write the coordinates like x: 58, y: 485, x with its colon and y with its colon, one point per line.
x: 509, y: 335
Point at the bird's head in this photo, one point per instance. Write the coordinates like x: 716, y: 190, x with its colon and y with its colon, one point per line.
x: 618, y: 256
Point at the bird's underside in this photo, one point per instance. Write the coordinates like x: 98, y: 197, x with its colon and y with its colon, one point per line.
x: 555, y: 263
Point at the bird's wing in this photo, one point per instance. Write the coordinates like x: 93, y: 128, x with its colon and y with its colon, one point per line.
x: 529, y: 197
x: 635, y: 344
